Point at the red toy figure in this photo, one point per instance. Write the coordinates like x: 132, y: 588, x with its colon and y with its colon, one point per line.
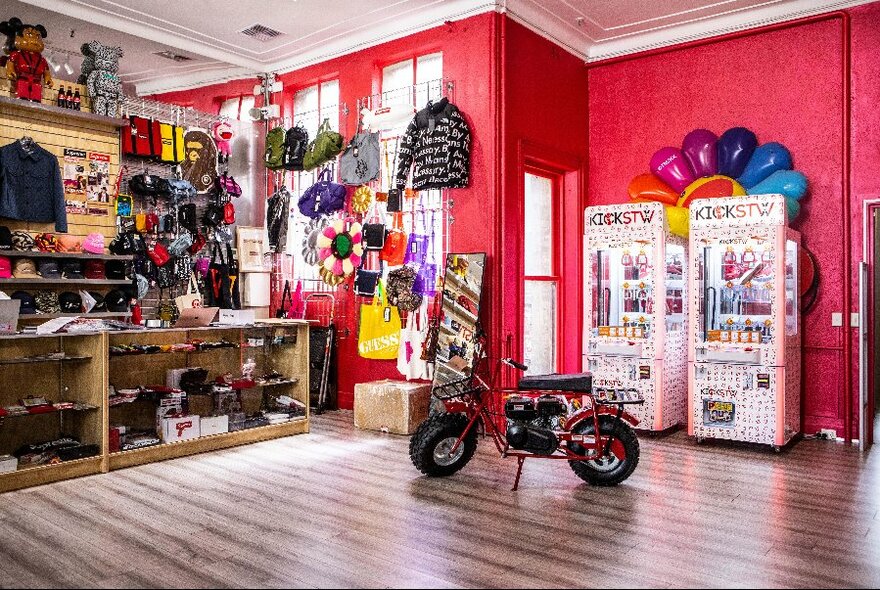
x: 26, y: 64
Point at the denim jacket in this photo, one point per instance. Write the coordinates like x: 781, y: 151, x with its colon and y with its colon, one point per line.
x: 30, y: 186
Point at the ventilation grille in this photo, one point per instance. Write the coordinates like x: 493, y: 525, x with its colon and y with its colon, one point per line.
x: 173, y: 56
x: 261, y: 33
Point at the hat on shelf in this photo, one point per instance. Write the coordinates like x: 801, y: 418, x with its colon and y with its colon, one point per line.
x: 99, y: 306
x: 22, y: 241
x: 94, y: 269
x: 46, y: 243
x: 5, y: 268
x: 94, y: 244
x: 72, y: 269
x: 116, y: 301
x: 70, y: 302
x: 116, y: 270
x: 28, y: 305
x: 69, y: 243
x: 25, y: 269
x: 5, y: 238
x: 47, y: 302
x: 48, y: 269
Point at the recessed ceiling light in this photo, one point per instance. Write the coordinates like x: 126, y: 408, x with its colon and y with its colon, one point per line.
x: 173, y: 56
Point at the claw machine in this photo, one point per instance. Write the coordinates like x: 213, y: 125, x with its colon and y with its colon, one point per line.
x: 745, y: 336
x: 636, y: 311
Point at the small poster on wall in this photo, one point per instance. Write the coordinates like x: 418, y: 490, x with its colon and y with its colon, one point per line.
x: 75, y: 175
x: 99, y: 178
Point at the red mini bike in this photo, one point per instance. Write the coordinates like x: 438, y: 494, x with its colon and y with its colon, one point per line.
x: 546, y: 417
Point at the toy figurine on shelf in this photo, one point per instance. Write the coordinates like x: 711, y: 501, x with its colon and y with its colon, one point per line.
x: 25, y: 64
x: 100, y: 75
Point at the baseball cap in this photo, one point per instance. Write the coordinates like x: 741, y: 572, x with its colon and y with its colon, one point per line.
x: 47, y: 302
x: 72, y: 269
x: 99, y: 302
x: 94, y: 269
x: 5, y: 267
x: 48, y: 269
x: 28, y: 305
x: 70, y: 302
x: 69, y: 243
x: 116, y: 301
x: 116, y: 270
x: 22, y: 241
x: 46, y: 243
x: 25, y: 269
x: 93, y: 244
x: 5, y: 238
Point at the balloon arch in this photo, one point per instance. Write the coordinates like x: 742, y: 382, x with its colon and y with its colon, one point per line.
x: 709, y: 166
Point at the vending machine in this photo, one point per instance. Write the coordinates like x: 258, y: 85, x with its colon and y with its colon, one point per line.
x: 745, y: 336
x: 636, y: 310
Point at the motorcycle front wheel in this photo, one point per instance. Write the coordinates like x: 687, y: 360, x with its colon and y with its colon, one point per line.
x: 614, y: 467
x: 431, y: 445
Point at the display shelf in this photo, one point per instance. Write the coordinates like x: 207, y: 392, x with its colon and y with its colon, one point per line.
x: 65, y: 255
x: 55, y: 411
x: 68, y: 114
x: 30, y: 360
x: 43, y: 474
x: 172, y: 450
x: 138, y: 354
x: 61, y: 282
x: 52, y: 316
x: 461, y: 312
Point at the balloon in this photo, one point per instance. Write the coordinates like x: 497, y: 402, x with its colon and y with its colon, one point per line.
x: 735, y: 148
x: 668, y: 164
x: 648, y: 187
x: 766, y: 160
x: 679, y: 220
x: 699, y: 149
x: 790, y: 183
x: 713, y: 186
x: 792, y: 209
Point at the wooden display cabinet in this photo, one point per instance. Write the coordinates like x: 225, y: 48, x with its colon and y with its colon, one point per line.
x: 282, y: 349
x: 80, y: 376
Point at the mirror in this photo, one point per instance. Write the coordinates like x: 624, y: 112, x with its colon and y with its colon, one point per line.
x: 460, y: 312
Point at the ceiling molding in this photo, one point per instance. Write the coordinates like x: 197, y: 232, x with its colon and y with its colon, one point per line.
x: 190, y: 81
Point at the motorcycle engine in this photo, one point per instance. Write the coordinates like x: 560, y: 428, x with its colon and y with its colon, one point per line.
x: 531, y: 422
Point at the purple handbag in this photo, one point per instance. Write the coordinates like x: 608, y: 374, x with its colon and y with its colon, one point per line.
x: 417, y: 246
x: 203, y: 263
x: 325, y: 197
x: 426, y: 277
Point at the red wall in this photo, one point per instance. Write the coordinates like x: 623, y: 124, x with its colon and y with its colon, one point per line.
x: 468, y: 50
x: 786, y: 86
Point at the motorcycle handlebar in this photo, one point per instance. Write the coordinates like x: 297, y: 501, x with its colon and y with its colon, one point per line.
x: 514, y: 364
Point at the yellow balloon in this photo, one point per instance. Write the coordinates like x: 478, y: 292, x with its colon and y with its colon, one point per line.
x: 710, y: 187
x: 679, y: 220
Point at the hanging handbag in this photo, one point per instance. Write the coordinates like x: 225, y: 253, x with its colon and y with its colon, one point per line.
x: 284, y: 307
x: 326, y: 146
x: 278, y: 219
x: 234, y: 283
x: 429, y: 347
x: 181, y: 244
x: 182, y: 268
x: 165, y: 310
x: 198, y: 243
x: 225, y: 184
x: 400, y: 289
x: 310, y: 251
x: 273, y: 157
x: 166, y: 276
x: 374, y: 231
x: 417, y: 246
x: 296, y: 141
x: 186, y: 216
x: 203, y: 263
x: 360, y: 163
x: 365, y: 280
x: 193, y: 298
x: 394, y: 250
x: 229, y: 213
x: 426, y: 276
x: 145, y: 185
x: 219, y: 292
x: 379, y: 333
x: 325, y: 197
x: 159, y: 254
x: 177, y: 190
x: 213, y: 215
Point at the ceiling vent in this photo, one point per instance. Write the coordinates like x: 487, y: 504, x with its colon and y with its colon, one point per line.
x: 173, y: 56
x: 261, y: 33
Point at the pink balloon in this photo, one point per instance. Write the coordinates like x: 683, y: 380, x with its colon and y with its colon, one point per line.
x: 670, y: 166
x: 699, y: 150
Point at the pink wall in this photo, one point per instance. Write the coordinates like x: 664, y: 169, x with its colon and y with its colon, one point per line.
x: 785, y: 85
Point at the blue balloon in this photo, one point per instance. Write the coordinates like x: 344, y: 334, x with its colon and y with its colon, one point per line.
x: 735, y: 148
x: 790, y: 183
x: 766, y: 160
x: 792, y: 209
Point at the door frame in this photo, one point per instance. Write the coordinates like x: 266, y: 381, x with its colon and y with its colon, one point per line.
x: 868, y: 315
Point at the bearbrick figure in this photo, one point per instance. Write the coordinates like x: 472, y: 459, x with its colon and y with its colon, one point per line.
x: 100, y: 68
x: 25, y: 63
x: 223, y: 134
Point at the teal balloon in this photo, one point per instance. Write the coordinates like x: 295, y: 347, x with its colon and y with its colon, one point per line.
x: 792, y: 209
x: 791, y: 183
x: 766, y: 160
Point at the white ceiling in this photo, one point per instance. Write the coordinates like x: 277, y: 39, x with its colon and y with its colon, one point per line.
x: 316, y: 30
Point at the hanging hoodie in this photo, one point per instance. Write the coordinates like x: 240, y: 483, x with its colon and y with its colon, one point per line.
x: 437, y: 145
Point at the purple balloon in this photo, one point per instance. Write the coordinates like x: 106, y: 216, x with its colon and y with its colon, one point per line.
x: 669, y: 165
x: 699, y: 150
x: 735, y: 148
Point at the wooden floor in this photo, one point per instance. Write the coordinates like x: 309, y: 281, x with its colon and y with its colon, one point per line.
x: 343, y: 508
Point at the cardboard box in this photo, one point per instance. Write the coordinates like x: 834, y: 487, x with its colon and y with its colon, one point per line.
x: 214, y: 425
x: 8, y: 464
x: 391, y: 406
x: 181, y: 428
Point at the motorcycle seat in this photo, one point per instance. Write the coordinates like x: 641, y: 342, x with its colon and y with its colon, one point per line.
x: 578, y: 382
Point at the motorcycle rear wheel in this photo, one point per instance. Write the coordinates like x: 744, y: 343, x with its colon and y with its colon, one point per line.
x: 430, y: 445
x: 609, y: 470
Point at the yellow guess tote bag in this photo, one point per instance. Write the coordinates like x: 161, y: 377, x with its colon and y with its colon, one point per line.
x: 379, y: 336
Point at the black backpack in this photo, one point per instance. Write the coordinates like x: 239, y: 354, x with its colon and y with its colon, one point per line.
x: 295, y: 143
